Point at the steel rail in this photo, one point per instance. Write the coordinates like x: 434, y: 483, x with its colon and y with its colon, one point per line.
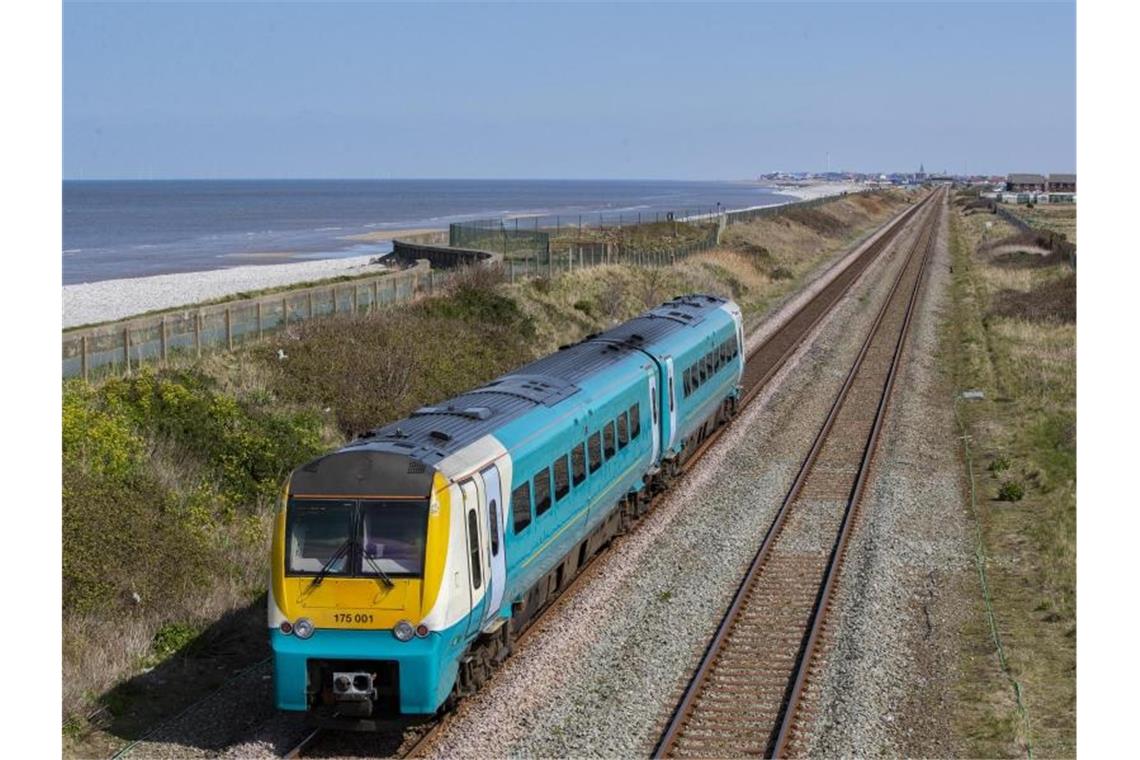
x: 822, y: 302
x: 685, y: 706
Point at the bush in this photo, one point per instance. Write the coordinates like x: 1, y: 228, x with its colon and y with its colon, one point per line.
x: 999, y: 464
x: 781, y: 273
x: 1011, y: 490
x: 370, y: 370
x: 172, y: 637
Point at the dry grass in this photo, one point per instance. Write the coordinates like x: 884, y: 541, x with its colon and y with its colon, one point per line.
x: 1024, y: 431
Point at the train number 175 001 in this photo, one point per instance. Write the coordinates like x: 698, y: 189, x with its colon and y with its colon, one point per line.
x: 346, y: 617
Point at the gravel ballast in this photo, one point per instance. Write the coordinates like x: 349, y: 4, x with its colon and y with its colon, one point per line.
x: 887, y: 685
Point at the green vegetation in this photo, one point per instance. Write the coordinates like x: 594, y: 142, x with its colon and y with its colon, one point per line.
x: 1012, y: 333
x: 170, y: 475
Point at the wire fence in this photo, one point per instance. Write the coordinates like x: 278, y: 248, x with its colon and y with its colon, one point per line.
x: 117, y: 347
x: 499, y: 236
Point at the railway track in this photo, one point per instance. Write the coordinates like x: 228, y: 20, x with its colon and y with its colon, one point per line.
x: 762, y: 363
x: 745, y: 696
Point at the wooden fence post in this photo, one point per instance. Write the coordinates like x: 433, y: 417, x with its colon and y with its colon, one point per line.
x: 311, y: 315
x: 229, y: 331
x: 83, y: 356
x: 375, y: 294
x: 198, y: 333
x: 162, y: 338
x: 260, y: 332
x: 284, y: 312
x: 127, y: 348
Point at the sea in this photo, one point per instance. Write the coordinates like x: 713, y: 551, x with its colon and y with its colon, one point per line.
x: 127, y: 228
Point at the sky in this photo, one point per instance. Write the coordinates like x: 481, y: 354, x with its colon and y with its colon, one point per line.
x: 284, y: 90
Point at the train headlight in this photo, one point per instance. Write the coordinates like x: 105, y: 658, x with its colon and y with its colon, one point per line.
x: 404, y: 631
x: 303, y: 628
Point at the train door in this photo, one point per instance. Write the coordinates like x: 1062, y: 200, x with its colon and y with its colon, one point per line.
x: 492, y: 487
x: 655, y: 421
x: 670, y: 406
x: 474, y: 527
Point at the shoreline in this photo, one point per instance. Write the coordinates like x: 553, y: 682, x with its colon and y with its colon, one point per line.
x: 108, y: 300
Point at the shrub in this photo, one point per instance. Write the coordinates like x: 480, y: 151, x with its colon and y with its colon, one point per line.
x: 172, y: 637
x: 370, y: 370
x: 1011, y: 490
x: 999, y: 464
x: 781, y: 273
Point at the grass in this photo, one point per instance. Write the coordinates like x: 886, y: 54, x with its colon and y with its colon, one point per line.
x: 1023, y: 438
x: 186, y: 461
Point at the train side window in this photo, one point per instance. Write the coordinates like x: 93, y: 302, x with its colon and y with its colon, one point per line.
x: 561, y: 477
x: 702, y: 369
x: 578, y: 461
x: 608, y: 431
x: 710, y: 362
x: 635, y: 421
x: 623, y: 430
x: 654, y: 402
x: 595, y: 451
x: 542, y: 491
x: 473, y: 540
x: 493, y: 509
x: 685, y: 383
x: 671, y: 392
x: 520, y: 507
x: 732, y: 345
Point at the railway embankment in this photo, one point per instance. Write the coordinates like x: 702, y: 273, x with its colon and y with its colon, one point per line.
x: 1011, y: 334
x: 171, y: 473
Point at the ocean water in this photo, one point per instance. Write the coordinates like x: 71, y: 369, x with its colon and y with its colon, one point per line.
x: 114, y: 229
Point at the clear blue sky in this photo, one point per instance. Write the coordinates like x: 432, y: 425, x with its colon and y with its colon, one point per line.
x: 585, y: 91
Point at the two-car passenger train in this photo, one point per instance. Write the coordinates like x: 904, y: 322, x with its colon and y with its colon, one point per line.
x: 405, y: 563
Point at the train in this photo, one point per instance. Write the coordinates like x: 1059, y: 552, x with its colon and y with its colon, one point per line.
x: 406, y: 563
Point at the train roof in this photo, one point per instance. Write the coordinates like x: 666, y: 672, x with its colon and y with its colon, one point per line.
x: 431, y: 433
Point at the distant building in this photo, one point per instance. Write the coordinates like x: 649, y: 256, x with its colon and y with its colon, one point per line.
x: 1026, y: 183
x: 1062, y: 183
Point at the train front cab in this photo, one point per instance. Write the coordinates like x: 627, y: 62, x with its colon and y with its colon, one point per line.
x: 379, y: 632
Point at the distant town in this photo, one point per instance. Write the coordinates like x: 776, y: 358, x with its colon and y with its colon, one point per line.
x: 1015, y: 187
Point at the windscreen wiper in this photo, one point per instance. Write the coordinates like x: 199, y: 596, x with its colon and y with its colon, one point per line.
x: 327, y: 567
x: 375, y: 566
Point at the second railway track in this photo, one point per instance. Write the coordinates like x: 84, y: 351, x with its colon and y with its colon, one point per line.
x: 744, y: 697
x: 763, y: 362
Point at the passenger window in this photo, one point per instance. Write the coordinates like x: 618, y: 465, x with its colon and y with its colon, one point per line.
x: 542, y: 491
x: 608, y: 430
x: 561, y: 477
x: 520, y: 507
x: 473, y: 543
x: 493, y: 506
x: 623, y: 430
x: 654, y: 402
x: 635, y: 420
x: 685, y: 384
x: 710, y: 362
x: 578, y: 462
x: 703, y: 370
x: 595, y: 452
